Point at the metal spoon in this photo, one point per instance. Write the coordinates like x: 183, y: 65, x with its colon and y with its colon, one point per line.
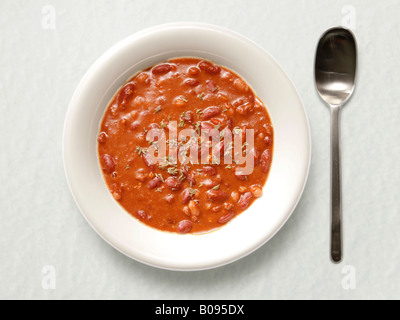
x: 335, y: 74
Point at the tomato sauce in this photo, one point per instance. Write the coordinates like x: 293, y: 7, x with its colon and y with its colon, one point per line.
x: 185, y: 195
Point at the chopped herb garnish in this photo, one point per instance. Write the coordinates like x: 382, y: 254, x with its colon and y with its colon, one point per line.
x: 184, y: 99
x: 201, y: 96
x: 228, y: 167
x: 141, y: 150
x: 181, y: 123
x: 163, y: 166
x: 197, y: 127
x: 158, y: 175
x: 236, y: 131
x: 216, y: 187
x: 172, y: 171
x: 159, y: 190
x: 158, y: 109
x: 192, y: 192
x: 182, y: 176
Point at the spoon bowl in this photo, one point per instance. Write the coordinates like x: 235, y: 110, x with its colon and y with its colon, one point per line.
x: 335, y: 77
x: 335, y: 66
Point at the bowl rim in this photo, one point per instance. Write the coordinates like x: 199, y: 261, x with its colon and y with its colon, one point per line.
x: 148, y: 31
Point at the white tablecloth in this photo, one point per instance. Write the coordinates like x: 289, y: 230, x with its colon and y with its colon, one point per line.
x: 47, y: 249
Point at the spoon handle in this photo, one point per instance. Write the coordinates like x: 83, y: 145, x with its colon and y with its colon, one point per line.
x: 336, y: 209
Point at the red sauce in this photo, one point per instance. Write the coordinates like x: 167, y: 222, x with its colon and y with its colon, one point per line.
x: 185, y: 196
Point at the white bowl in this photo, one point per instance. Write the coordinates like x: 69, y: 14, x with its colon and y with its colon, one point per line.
x: 249, y: 230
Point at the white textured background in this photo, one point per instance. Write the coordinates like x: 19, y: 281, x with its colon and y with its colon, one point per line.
x: 41, y: 225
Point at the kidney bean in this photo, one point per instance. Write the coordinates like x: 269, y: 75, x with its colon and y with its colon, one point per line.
x: 194, y: 208
x: 179, y: 102
x: 138, y: 102
x: 185, y: 226
x: 266, y: 160
x: 108, y: 163
x: 228, y: 206
x: 241, y: 85
x: 261, y: 136
x: 154, y: 126
x: 148, y: 161
x: 208, y: 183
x: 256, y: 191
x: 209, y: 170
x: 186, y: 211
x: 141, y: 136
x: 244, y: 200
x: 222, y: 96
x: 209, y: 67
x: 256, y: 155
x: 248, y: 108
x: 206, y: 126
x: 210, y: 112
x: 142, y: 78
x: 117, y: 195
x: 169, y: 198
x: 189, y: 177
x: 191, y: 180
x: 216, y: 209
x: 187, y: 195
x: 239, y: 102
x: 229, y: 123
x: 102, y: 137
x: 116, y: 191
x: 173, y: 183
x: 193, y: 71
x: 143, y: 215
x: 217, y: 195
x: 162, y: 69
x: 268, y: 129
x: 211, y: 87
x: 125, y: 93
x: 240, y: 176
x: 190, y: 82
x: 155, y: 183
x: 141, y: 175
x: 188, y: 116
x: 268, y: 141
x: 235, y: 196
x: 241, y: 110
x: 226, y: 218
